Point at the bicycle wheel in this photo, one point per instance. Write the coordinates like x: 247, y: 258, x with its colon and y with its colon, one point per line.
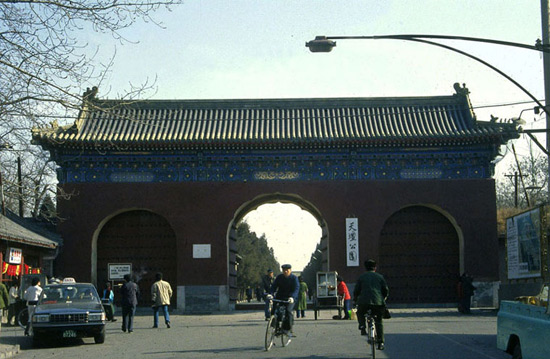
x: 270, y: 333
x: 23, y: 318
x: 372, y: 336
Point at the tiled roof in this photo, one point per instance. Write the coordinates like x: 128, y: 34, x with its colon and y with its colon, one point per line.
x: 277, y: 123
x: 21, y: 230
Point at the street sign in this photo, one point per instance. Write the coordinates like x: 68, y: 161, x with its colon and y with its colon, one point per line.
x: 117, y: 271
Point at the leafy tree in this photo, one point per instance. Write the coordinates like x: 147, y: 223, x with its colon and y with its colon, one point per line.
x: 45, y: 62
x: 256, y: 255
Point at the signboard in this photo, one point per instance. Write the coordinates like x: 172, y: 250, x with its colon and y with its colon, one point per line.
x: 14, y: 255
x: 523, y: 244
x: 352, y: 242
x: 117, y: 271
x: 201, y: 251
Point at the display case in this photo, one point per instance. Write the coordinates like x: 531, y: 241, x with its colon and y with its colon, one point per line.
x: 326, y: 294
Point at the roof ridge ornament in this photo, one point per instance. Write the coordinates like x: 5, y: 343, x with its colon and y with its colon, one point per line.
x: 90, y: 94
x: 461, y: 91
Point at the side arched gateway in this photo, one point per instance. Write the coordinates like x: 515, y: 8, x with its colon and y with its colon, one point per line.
x: 143, y: 239
x: 420, y: 256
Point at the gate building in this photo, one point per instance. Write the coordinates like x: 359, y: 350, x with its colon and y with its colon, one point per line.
x: 162, y: 184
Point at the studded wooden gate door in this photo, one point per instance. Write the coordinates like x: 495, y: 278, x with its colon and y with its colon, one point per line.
x: 144, y: 239
x: 419, y: 256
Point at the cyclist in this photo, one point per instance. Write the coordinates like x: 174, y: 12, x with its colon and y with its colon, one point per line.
x: 371, y: 292
x: 286, y: 287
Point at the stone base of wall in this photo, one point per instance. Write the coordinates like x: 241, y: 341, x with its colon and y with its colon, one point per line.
x: 485, y: 295
x: 203, y: 299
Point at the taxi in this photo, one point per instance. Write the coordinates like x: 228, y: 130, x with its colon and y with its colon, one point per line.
x: 68, y: 310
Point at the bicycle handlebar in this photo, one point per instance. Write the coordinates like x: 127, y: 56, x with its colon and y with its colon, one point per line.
x: 280, y: 301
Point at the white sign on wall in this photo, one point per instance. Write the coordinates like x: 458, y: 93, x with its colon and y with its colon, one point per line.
x: 117, y: 271
x: 201, y: 251
x: 15, y: 255
x: 352, y: 242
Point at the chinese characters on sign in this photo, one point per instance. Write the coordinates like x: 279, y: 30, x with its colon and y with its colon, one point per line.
x: 352, y: 242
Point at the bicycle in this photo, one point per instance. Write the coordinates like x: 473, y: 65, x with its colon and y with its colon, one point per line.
x: 372, y: 336
x: 275, y: 324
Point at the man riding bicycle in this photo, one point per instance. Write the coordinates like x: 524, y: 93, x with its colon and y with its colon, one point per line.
x: 371, y: 292
x: 286, y: 287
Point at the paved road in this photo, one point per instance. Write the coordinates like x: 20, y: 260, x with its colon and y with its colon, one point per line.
x: 411, y: 334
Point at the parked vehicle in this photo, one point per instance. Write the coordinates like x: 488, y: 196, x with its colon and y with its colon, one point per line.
x: 523, y: 326
x: 69, y: 310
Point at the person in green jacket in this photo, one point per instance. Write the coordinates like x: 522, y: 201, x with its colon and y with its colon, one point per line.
x: 4, y: 300
x: 371, y: 292
x: 302, y: 299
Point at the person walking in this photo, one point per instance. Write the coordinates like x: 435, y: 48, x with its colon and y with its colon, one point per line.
x: 286, y: 287
x: 302, y: 298
x: 32, y: 294
x: 343, y: 292
x: 13, y: 299
x: 130, y: 293
x: 161, y: 292
x: 370, y: 292
x: 107, y: 301
x: 4, y: 300
x: 267, y: 281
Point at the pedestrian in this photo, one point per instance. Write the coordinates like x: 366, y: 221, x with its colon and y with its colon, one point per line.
x: 258, y: 293
x: 371, y: 292
x: 130, y: 293
x: 343, y: 292
x: 267, y: 281
x: 108, y: 300
x: 466, y: 290
x: 302, y: 298
x: 248, y: 294
x: 161, y: 292
x: 286, y: 287
x: 32, y: 294
x: 4, y: 300
x: 13, y: 299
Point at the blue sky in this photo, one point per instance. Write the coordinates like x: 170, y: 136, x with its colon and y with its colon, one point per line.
x: 255, y: 49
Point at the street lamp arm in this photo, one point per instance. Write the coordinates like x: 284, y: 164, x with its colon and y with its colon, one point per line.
x: 327, y: 43
x: 537, y: 47
x: 486, y: 64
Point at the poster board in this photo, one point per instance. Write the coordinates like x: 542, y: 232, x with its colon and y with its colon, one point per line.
x: 523, y: 244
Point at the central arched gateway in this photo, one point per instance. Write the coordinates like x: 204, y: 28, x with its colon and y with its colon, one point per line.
x: 199, y: 165
x: 252, y: 205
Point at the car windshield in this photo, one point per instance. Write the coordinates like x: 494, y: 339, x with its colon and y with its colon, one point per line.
x: 72, y: 293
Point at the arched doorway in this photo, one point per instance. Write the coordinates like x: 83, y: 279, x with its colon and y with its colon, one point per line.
x: 143, y: 239
x: 254, y: 204
x: 420, y: 256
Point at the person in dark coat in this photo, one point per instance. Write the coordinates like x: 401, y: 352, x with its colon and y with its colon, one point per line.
x: 129, y: 293
x: 370, y: 292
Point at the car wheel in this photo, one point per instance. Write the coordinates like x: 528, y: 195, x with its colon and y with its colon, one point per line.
x: 516, y: 354
x: 100, y: 338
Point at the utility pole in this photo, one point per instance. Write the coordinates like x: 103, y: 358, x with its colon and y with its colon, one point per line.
x: 545, y: 21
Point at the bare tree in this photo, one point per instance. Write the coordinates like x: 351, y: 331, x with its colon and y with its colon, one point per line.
x: 525, y: 182
x: 44, y: 67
